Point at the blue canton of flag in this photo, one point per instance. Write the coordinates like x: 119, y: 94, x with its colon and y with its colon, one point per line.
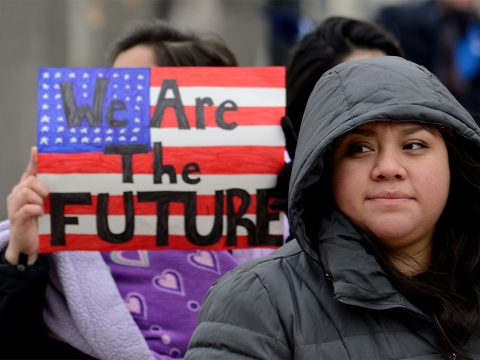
x: 85, y: 110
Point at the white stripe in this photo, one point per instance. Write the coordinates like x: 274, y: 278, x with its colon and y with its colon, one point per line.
x: 242, y: 97
x: 240, y: 136
x: 147, y: 225
x: 112, y: 183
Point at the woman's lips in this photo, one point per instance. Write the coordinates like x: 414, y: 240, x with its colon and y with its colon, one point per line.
x: 390, y: 197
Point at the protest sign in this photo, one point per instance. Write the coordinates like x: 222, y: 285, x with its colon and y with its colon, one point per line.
x: 161, y: 158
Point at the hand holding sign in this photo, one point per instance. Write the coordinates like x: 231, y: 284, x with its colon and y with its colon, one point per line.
x: 25, y: 205
x: 197, y: 175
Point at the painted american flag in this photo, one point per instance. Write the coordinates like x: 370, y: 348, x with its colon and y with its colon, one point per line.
x: 84, y: 112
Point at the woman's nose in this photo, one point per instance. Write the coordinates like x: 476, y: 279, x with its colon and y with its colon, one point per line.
x: 388, y: 166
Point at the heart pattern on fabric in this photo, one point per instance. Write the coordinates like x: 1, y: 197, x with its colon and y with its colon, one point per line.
x: 158, y: 332
x: 136, y: 305
x: 131, y: 258
x: 169, y: 281
x: 205, y: 260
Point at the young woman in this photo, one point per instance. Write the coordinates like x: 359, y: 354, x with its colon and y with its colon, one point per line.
x: 106, y: 306
x: 384, y: 205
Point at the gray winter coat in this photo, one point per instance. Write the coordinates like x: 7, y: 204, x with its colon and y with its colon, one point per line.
x: 323, y: 296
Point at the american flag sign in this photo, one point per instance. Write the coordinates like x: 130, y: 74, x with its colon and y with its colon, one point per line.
x: 160, y: 158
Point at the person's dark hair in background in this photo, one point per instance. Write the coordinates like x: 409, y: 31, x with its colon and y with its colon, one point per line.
x: 329, y: 44
x: 175, y: 48
x: 335, y: 40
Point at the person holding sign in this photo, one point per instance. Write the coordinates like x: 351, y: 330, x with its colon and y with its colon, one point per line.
x: 113, y: 305
x: 384, y: 204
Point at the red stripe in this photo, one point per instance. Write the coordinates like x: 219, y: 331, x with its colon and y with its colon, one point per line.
x: 205, y: 206
x: 148, y: 242
x: 211, y: 160
x: 251, y: 116
x: 272, y: 77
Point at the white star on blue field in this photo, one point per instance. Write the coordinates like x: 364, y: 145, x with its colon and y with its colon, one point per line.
x: 130, y: 86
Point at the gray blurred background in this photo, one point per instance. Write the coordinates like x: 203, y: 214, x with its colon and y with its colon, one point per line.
x: 76, y: 33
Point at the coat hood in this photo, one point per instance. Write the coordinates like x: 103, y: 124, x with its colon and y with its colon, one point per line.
x: 353, y: 93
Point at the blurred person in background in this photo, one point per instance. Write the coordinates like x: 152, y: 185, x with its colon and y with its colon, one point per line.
x: 80, y: 305
x: 443, y: 36
x: 287, y: 26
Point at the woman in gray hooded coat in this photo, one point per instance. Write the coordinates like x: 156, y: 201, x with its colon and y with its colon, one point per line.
x: 384, y: 203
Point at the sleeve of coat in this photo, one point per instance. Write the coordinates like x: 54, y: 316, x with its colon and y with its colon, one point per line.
x: 22, y: 298
x: 238, y: 321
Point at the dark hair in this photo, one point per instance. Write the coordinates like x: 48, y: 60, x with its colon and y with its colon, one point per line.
x: 449, y: 291
x: 326, y: 46
x: 173, y: 47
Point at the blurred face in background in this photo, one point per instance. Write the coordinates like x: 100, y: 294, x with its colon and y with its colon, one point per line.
x: 459, y: 5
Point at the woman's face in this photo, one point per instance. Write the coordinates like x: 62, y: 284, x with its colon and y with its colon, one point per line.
x: 392, y: 180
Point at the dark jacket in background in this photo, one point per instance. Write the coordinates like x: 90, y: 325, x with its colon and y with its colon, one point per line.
x: 442, y: 39
x: 323, y: 295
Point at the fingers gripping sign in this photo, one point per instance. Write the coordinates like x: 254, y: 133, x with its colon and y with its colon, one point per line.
x: 25, y: 205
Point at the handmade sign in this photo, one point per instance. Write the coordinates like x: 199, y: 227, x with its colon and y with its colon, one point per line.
x: 162, y: 158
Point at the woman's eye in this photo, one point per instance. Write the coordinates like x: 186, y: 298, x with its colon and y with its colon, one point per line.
x: 416, y: 145
x: 358, y: 149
